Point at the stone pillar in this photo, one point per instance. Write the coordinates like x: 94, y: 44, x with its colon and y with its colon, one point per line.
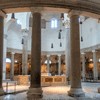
x: 35, y: 90
x: 59, y: 64
x: 83, y: 66
x: 25, y: 53
x: 68, y: 55
x: 95, y: 69
x: 12, y: 66
x: 1, y: 52
x: 76, y: 89
x: 48, y: 63
x: 4, y: 56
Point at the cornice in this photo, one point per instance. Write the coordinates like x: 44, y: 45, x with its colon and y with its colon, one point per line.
x: 42, y: 52
x: 82, y: 5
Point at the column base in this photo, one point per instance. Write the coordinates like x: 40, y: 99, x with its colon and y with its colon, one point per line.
x: 83, y: 79
x: 2, y: 91
x: 34, y: 94
x: 95, y: 79
x: 76, y: 92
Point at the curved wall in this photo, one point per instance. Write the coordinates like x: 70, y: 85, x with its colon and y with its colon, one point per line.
x: 90, y: 34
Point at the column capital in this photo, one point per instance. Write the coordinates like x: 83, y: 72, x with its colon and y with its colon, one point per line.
x: 36, y: 9
x: 73, y: 12
x: 94, y: 51
x: 3, y: 14
x: 82, y: 53
x: 13, y: 53
x: 25, y: 32
x: 59, y: 55
x: 48, y: 55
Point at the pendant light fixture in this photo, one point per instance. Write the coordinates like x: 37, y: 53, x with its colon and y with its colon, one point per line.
x: 13, y: 16
x: 22, y: 41
x: 51, y: 45
x: 81, y: 31
x: 59, y: 35
x: 60, y: 44
x: 62, y: 16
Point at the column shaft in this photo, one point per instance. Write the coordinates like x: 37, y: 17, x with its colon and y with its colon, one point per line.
x: 59, y: 65
x: 4, y: 56
x: 35, y: 90
x: 76, y: 89
x: 12, y: 67
x: 75, y: 53
x: 95, y: 70
x: 83, y: 67
x: 24, y: 57
x: 68, y: 55
x: 1, y: 48
x: 36, y: 51
x: 1, y: 52
x: 48, y: 64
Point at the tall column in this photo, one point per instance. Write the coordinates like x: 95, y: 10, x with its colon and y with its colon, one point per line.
x: 67, y: 54
x: 83, y: 66
x: 59, y: 64
x: 35, y: 90
x: 1, y: 52
x: 12, y: 66
x: 4, y: 56
x: 48, y: 63
x: 25, y: 53
x: 76, y: 89
x: 95, y: 69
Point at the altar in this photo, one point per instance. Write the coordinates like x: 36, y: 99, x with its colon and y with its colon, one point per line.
x: 47, y: 79
x: 53, y: 80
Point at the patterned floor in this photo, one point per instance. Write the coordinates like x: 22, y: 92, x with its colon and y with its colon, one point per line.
x: 60, y: 93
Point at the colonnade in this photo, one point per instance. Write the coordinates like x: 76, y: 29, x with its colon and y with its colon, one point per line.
x: 59, y: 64
x: 35, y: 87
x: 35, y: 90
x: 35, y: 84
x: 95, y: 67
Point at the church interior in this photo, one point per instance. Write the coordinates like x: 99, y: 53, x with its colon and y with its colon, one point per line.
x: 50, y: 51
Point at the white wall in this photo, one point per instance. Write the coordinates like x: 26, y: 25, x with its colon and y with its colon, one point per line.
x: 51, y: 36
x: 90, y: 33
x: 48, y: 35
x: 20, y: 17
x: 14, y: 40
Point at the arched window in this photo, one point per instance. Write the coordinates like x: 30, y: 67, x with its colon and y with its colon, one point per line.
x: 53, y: 23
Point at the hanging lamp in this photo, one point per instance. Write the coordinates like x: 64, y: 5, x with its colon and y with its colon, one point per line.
x: 51, y: 45
x: 81, y: 31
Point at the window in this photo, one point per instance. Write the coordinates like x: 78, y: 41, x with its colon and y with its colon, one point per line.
x: 54, y: 23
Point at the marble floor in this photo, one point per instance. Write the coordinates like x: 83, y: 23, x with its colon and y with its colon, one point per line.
x: 57, y: 93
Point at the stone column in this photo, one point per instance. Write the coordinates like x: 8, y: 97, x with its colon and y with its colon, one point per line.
x: 35, y: 90
x: 1, y: 52
x: 95, y: 69
x: 76, y: 89
x: 4, y: 56
x: 67, y: 55
x: 83, y: 66
x: 48, y: 64
x: 25, y: 53
x: 59, y: 64
x: 12, y: 66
